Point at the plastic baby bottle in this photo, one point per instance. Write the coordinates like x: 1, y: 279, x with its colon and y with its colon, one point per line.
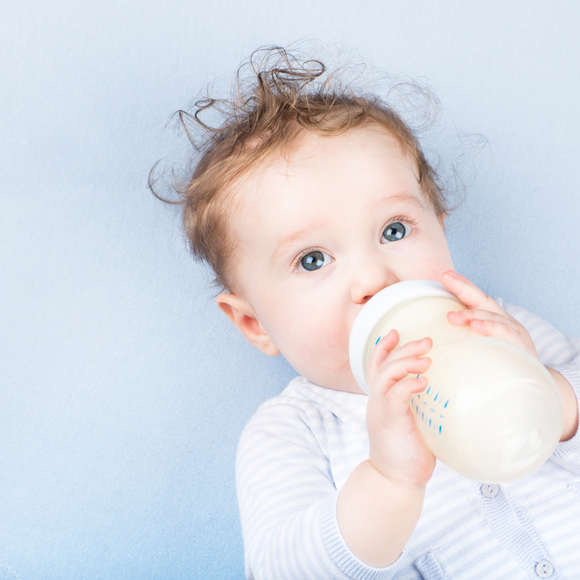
x: 491, y: 411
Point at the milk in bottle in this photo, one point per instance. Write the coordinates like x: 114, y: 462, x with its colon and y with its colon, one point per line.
x: 490, y: 410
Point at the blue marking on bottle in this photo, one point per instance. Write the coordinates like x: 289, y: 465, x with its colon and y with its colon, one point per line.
x: 441, y: 417
x: 428, y: 389
x: 377, y: 341
x: 436, y: 397
x: 429, y: 422
x: 422, y: 416
x: 439, y: 428
x: 432, y: 410
x: 444, y: 406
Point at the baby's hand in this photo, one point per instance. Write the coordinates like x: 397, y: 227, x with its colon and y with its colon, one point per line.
x: 484, y: 315
x: 397, y: 449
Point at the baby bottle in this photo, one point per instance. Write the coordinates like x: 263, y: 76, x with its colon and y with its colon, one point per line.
x: 491, y: 411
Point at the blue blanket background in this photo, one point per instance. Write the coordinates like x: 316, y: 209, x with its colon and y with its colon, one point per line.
x: 123, y: 389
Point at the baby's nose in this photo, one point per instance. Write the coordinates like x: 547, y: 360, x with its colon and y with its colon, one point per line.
x: 370, y: 279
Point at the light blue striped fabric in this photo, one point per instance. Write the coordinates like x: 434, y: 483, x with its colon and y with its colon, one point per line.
x: 300, y: 447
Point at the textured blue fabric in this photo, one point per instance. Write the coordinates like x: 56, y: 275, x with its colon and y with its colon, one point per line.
x: 123, y: 389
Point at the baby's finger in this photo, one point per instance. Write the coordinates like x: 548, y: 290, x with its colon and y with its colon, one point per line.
x: 382, y: 350
x: 386, y: 347
x: 395, y: 371
x: 468, y: 292
x: 495, y: 325
x: 493, y: 328
x: 399, y: 395
x: 386, y: 350
x: 464, y: 317
x: 413, y: 348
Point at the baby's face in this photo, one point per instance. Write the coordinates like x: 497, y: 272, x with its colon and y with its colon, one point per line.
x: 322, y: 232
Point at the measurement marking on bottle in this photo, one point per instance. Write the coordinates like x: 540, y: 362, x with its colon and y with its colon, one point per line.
x: 436, y: 424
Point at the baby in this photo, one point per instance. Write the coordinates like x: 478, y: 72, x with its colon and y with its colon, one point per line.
x: 306, y: 202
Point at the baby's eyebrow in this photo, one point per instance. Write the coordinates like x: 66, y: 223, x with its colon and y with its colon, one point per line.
x: 286, y: 242
x: 405, y: 198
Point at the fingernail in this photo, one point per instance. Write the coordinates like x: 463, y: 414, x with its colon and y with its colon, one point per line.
x: 459, y: 276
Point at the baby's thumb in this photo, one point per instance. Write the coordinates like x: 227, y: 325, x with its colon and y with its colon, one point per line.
x: 382, y: 349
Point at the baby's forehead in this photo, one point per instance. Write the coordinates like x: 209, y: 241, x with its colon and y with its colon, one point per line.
x: 313, y: 162
x: 372, y: 138
x: 309, y: 148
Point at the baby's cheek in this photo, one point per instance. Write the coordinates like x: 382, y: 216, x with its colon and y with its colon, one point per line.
x: 314, y: 338
x: 331, y: 345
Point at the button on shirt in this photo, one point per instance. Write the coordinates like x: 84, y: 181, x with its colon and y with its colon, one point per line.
x: 544, y: 569
x: 489, y: 490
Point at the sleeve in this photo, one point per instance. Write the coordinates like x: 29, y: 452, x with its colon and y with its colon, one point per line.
x: 287, y: 500
x: 563, y: 355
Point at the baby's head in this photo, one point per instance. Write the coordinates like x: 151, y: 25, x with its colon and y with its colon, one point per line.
x: 306, y: 202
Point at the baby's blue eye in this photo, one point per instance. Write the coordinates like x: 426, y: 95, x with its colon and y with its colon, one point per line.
x: 314, y: 260
x: 395, y: 232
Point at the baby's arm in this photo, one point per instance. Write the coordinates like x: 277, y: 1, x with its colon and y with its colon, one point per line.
x: 286, y: 490
x: 380, y: 503
x: 487, y: 317
x: 286, y: 495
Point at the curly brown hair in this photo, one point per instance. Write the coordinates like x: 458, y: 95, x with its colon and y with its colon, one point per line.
x: 283, y: 96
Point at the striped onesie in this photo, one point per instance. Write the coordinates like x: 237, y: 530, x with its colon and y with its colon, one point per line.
x: 300, y: 447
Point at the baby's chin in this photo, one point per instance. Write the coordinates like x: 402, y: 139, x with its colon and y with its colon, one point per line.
x: 328, y: 368
x: 344, y: 382
x: 351, y: 389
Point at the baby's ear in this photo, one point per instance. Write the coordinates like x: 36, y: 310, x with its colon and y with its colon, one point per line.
x: 243, y: 316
